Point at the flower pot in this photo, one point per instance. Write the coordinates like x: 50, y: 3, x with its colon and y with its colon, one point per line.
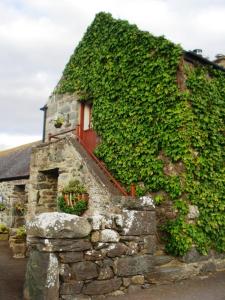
x: 58, y: 125
x: 4, y: 236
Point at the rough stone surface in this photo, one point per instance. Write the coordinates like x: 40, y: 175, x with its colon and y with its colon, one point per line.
x: 138, y: 279
x: 117, y: 249
x: 59, y: 245
x: 42, y: 277
x: 102, y: 286
x: 84, y: 270
x: 70, y: 257
x: 58, y: 225
x: 138, y: 223
x: 105, y: 273
x: 71, y: 288
x: 149, y: 244
x: 194, y: 256
x: 129, y: 266
x: 109, y: 235
x: 167, y: 274
x: 93, y: 255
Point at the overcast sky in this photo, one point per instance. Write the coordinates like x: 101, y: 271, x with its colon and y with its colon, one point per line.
x: 37, y: 38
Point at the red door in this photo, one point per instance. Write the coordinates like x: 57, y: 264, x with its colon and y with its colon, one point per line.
x: 87, y: 134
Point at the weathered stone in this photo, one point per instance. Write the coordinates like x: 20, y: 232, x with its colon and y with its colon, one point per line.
x: 95, y: 237
x: 208, y: 267
x: 194, y: 256
x: 59, y: 245
x: 98, y: 287
x: 105, y: 273
x: 126, y: 281
x: 117, y: 249
x: 220, y: 265
x: 84, y: 270
x: 58, y: 225
x: 65, y: 272
x: 133, y: 248
x: 70, y: 257
x: 93, y: 255
x: 142, y: 203
x: 134, y: 265
x: 138, y: 222
x: 42, y: 277
x: 167, y: 274
x: 138, y: 279
x: 162, y: 259
x: 71, y: 288
x: 109, y: 235
x: 149, y: 244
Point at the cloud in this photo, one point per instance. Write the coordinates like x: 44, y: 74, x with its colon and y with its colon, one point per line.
x: 37, y: 38
x: 8, y: 141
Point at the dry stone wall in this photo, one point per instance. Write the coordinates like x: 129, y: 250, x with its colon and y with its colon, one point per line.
x: 83, y: 258
x: 63, y: 157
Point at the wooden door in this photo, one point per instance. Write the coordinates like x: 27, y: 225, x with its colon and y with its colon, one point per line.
x: 87, y: 134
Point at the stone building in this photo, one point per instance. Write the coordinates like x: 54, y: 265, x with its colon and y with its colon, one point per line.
x: 14, y: 179
x: 220, y: 60
x: 115, y: 245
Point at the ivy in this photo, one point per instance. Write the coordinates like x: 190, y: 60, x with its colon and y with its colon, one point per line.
x: 139, y: 112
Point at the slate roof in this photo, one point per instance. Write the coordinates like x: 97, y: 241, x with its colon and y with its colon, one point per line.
x: 15, y: 163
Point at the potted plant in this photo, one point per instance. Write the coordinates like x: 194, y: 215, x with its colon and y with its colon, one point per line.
x: 4, y: 232
x: 74, y: 198
x: 17, y: 242
x: 19, y: 209
x: 58, y: 122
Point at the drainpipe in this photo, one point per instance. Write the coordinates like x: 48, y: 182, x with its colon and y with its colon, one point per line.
x: 44, y: 109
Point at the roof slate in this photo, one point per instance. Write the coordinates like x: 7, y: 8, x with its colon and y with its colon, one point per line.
x: 15, y: 163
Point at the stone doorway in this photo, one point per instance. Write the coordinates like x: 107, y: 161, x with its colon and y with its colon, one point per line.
x: 47, y: 190
x: 19, y: 205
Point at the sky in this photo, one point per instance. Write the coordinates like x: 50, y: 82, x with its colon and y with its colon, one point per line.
x: 37, y: 38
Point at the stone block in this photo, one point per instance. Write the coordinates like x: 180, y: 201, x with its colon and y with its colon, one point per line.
x: 138, y: 222
x: 42, y: 276
x: 65, y: 273
x: 109, y: 235
x: 117, y: 249
x: 138, y: 279
x: 58, y: 225
x: 162, y: 259
x: 150, y: 244
x: 105, y: 273
x: 93, y: 255
x: 171, y: 273
x: 194, y: 256
x: 134, y: 265
x: 98, y: 287
x: 142, y: 203
x: 84, y: 270
x: 59, y: 245
x: 70, y: 257
x: 208, y: 267
x: 71, y: 288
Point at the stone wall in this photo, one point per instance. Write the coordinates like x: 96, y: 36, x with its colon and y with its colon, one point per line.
x: 10, y: 195
x: 65, y: 105
x: 82, y: 258
x: 68, y: 158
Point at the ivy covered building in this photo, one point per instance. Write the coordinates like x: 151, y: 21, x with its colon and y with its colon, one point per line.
x: 151, y: 115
